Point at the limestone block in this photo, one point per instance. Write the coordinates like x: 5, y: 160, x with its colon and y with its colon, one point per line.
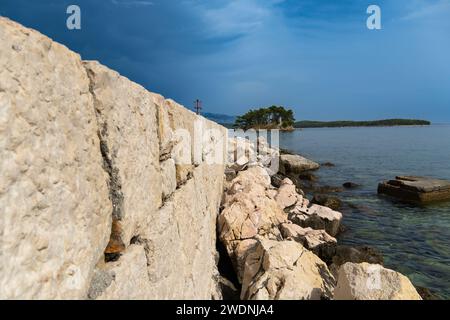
x: 165, y: 132
x: 125, y: 279
x: 127, y: 118
x: 366, y: 281
x: 169, y: 177
x: 285, y: 270
x: 55, y: 216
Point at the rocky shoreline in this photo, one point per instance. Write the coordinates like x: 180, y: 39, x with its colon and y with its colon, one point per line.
x: 283, y: 246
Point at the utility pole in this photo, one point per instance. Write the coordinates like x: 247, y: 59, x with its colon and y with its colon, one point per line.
x: 198, y: 106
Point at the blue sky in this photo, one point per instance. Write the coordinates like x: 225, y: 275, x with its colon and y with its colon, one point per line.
x: 316, y: 57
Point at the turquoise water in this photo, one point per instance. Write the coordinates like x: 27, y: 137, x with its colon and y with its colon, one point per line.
x: 414, y: 240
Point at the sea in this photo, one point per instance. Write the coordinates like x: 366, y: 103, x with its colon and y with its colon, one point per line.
x: 414, y: 240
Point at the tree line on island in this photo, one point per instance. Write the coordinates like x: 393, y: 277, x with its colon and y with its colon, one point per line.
x: 376, y: 123
x: 274, y: 117
x: 278, y: 117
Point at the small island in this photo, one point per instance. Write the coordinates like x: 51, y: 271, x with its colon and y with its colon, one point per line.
x: 274, y: 117
x: 376, y: 123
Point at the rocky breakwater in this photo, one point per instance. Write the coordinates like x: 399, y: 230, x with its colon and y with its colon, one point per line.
x: 282, y: 246
x: 104, y: 193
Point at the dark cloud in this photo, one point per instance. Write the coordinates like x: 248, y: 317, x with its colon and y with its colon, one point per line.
x: 314, y: 56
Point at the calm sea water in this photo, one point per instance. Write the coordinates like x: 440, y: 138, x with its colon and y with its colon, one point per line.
x: 415, y: 240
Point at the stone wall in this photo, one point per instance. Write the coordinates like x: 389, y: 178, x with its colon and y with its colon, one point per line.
x: 107, y: 191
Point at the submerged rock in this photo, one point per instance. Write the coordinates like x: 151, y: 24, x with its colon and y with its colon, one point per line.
x: 427, y: 294
x: 362, y: 254
x: 327, y: 164
x: 285, y: 270
x: 366, y: 281
x: 307, y: 176
x: 331, y: 202
x: 350, y: 185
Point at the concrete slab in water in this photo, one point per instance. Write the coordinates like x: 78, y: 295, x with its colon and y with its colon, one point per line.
x: 416, y: 189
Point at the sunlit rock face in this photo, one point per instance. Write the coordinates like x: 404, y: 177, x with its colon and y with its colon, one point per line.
x: 95, y: 202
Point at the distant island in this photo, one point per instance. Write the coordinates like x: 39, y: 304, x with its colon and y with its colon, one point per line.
x: 220, y: 118
x: 376, y: 123
x: 274, y: 117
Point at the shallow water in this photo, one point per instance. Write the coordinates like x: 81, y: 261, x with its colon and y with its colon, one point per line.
x: 415, y: 240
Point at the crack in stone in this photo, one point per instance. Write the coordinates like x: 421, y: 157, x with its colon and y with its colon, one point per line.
x: 116, y: 245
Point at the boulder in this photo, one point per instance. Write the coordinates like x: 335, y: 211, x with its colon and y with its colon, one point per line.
x: 366, y: 281
x: 327, y: 164
x: 287, y: 195
x: 307, y: 176
x: 55, y: 219
x: 249, y: 209
x: 350, y: 185
x: 290, y: 163
x: 427, y: 294
x: 331, y: 202
x: 285, y: 270
x: 416, y: 189
x: 318, y: 241
x: 277, y: 179
x: 316, y: 217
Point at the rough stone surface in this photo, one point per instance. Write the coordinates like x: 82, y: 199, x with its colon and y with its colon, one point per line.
x: 316, y: 217
x: 287, y: 195
x: 285, y: 270
x: 169, y: 177
x: 165, y: 131
x: 416, y: 189
x: 181, y: 245
x: 125, y: 279
x: 372, y: 282
x: 87, y: 161
x: 290, y: 163
x: 55, y: 216
x: 318, y: 241
x: 127, y: 120
x: 249, y: 210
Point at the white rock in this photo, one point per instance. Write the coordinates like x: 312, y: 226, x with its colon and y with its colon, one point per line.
x: 290, y: 163
x: 80, y: 152
x: 55, y: 216
x: 318, y: 241
x: 126, y: 117
x: 316, y: 217
x: 285, y: 270
x: 287, y: 195
x: 126, y: 279
x: 169, y: 177
x: 372, y: 282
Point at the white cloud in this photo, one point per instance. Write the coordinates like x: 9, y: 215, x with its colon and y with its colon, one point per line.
x: 236, y: 16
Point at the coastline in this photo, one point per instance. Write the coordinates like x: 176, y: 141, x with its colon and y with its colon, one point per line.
x: 308, y: 223
x: 413, y: 239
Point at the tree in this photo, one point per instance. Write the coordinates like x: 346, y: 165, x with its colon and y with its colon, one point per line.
x: 266, y: 118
